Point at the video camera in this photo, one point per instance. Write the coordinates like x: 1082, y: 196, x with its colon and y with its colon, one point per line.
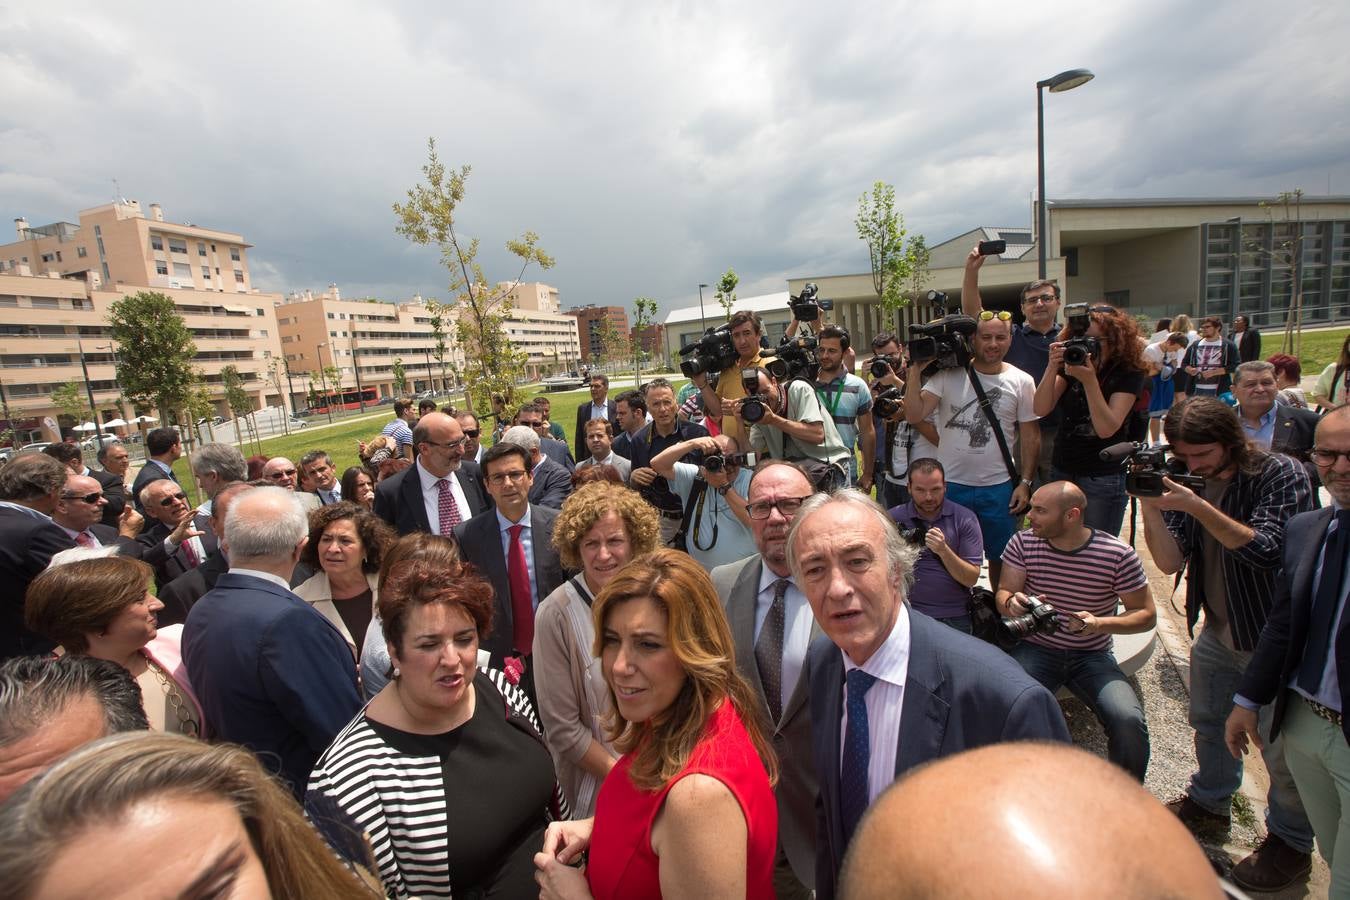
x: 1080, y: 348
x: 946, y: 340
x: 713, y: 353
x: 1148, y: 466
x: 989, y: 625
x: 720, y: 461
x: 805, y: 307
x: 794, y: 358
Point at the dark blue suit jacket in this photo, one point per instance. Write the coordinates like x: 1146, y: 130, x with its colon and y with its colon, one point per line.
x: 27, y: 544
x: 960, y: 693
x: 398, y: 499
x: 271, y: 673
x: 1285, y: 637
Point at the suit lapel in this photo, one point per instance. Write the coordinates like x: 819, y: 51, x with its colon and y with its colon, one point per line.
x: 925, y: 707
x: 1307, y: 564
x: 411, y: 500
x: 828, y: 686
x: 744, y: 594
x: 800, y: 693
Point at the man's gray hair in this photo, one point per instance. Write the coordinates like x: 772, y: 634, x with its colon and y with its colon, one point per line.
x: 224, y: 460
x: 899, y: 555
x: 31, y: 476
x: 152, y: 486
x: 265, y: 523
x: 521, y: 436
x: 1255, y: 367
x: 34, y: 690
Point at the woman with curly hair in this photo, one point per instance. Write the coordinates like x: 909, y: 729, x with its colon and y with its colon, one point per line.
x: 688, y: 810
x: 601, y: 527
x: 346, y: 544
x: 1095, y: 400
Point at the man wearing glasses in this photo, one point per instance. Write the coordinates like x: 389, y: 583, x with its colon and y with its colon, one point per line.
x: 772, y: 625
x: 80, y: 513
x: 473, y: 447
x: 282, y: 472
x: 1031, y: 340
x: 440, y: 490
x: 178, y: 541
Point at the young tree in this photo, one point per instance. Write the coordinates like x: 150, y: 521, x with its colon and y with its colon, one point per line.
x: 644, y: 313
x: 70, y: 399
x: 493, y: 363
x: 400, y: 376
x: 438, y: 311
x: 899, y: 267
x: 334, y: 377
x: 726, y: 292
x: 276, y: 372
x: 154, y: 353
x: 236, y: 397
x: 1285, y: 254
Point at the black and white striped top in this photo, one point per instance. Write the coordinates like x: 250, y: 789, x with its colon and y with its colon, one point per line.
x: 401, y: 799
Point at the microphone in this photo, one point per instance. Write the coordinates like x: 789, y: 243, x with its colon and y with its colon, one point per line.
x: 1119, y: 452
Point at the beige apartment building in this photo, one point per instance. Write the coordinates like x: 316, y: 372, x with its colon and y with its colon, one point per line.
x: 537, y: 325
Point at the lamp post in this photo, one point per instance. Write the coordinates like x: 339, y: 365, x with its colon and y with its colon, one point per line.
x: 323, y: 380
x: 701, y: 320
x: 1064, y: 81
x: 89, y: 391
x: 356, y: 367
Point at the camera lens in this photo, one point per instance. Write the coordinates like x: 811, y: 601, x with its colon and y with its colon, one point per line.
x: 880, y: 368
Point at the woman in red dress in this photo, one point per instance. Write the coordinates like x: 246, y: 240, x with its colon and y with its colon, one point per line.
x: 688, y: 811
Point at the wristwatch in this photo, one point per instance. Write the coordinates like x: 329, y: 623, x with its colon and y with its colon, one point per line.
x: 723, y: 489
x: 1027, y: 482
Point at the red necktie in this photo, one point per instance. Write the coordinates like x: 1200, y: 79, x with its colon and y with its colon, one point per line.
x: 447, y: 507
x: 85, y: 539
x: 193, y: 561
x: 522, y: 607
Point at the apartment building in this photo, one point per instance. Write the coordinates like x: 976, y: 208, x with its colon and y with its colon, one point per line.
x: 591, y: 327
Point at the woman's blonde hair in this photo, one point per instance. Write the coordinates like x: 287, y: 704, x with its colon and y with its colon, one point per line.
x: 588, y: 505
x: 99, y: 782
x: 699, y: 636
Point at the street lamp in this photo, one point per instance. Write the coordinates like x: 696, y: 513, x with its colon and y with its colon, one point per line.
x: 356, y: 368
x: 89, y: 390
x: 323, y: 380
x: 1064, y: 81
x: 701, y: 320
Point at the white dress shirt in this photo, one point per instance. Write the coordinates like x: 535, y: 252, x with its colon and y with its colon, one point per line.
x: 330, y: 496
x: 796, y: 628
x: 431, y: 497
x: 268, y: 576
x: 890, y: 665
x: 599, y: 412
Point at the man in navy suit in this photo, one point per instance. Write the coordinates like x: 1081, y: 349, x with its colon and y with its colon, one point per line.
x: 897, y: 687
x: 163, y: 447
x: 598, y: 408
x: 550, y: 483
x: 30, y: 490
x: 440, y: 490
x: 1302, y: 665
x: 270, y: 671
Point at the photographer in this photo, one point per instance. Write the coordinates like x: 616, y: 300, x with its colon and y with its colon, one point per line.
x: 665, y: 430
x: 885, y: 369
x: 1083, y: 573
x: 949, y: 537
x: 787, y: 421
x: 975, y: 457
x: 848, y: 401
x: 1231, y: 538
x: 1093, y: 392
x: 746, y: 331
x: 716, y: 530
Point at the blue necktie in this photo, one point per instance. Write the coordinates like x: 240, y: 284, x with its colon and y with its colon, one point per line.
x: 853, y: 793
x: 1326, y: 601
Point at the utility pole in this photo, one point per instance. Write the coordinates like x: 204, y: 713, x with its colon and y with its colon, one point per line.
x: 323, y: 380
x: 356, y: 367
x: 89, y: 391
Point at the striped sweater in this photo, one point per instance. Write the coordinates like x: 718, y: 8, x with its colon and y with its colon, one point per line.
x: 398, y: 799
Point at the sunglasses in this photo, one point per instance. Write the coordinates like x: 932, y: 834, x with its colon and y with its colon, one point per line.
x: 471, y: 432
x: 1002, y: 315
x: 91, y: 499
x: 172, y: 499
x: 284, y: 473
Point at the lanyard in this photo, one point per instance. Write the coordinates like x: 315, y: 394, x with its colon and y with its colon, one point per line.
x: 831, y: 398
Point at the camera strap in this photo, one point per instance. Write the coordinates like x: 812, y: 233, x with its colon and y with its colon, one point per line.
x: 696, y: 492
x: 993, y: 421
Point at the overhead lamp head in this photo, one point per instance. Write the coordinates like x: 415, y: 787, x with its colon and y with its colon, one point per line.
x: 1066, y: 81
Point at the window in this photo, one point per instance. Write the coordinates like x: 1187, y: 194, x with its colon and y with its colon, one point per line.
x: 260, y: 312
x: 234, y: 254
x: 182, y: 270
x: 332, y: 334
x: 81, y: 252
x: 238, y: 277
x: 177, y: 245
x: 46, y: 303
x: 206, y: 273
x: 8, y: 300
x: 156, y: 242
x: 106, y: 275
x: 161, y: 267
x: 201, y: 249
x: 330, y: 315
x: 79, y: 303
x: 263, y: 332
x: 217, y: 270
x: 100, y: 247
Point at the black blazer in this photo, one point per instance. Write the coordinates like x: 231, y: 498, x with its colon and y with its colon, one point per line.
x: 1293, y: 436
x: 148, y: 473
x: 960, y: 693
x: 558, y: 452
x: 179, y: 595
x: 1248, y: 344
x: 27, y: 544
x: 584, y: 416
x: 550, y: 485
x: 398, y: 499
x: 1285, y: 636
x: 480, y: 543
x: 169, y: 566
x: 115, y: 492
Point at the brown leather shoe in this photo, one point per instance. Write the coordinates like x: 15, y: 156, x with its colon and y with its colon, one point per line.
x: 1272, y: 866
x: 1199, y: 820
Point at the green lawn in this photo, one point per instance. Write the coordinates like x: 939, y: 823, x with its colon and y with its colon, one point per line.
x: 1319, y: 348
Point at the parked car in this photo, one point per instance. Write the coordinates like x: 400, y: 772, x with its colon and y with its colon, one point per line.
x: 35, y: 448
x: 297, y: 423
x: 92, y: 443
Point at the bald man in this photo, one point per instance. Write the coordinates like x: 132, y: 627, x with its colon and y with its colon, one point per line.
x: 283, y: 473
x: 1083, y: 573
x: 1018, y: 835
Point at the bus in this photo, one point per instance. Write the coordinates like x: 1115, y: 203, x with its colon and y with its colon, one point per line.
x: 347, y: 399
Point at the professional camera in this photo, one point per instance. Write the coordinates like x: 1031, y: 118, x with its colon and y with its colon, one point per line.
x: 946, y: 340
x: 989, y: 625
x: 881, y: 366
x: 720, y: 461
x: 913, y: 536
x: 1080, y: 348
x: 805, y: 307
x: 713, y: 353
x: 888, y: 402
x: 937, y: 298
x: 755, y: 403
x: 794, y: 358
x: 1146, y: 467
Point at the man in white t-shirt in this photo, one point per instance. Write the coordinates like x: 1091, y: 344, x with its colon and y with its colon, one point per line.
x: 968, y: 448
x: 1210, y: 361
x: 1163, y: 358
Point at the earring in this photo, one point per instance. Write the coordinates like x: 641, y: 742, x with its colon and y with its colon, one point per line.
x: 397, y: 673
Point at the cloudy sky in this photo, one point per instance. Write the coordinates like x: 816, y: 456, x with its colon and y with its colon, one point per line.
x: 651, y: 146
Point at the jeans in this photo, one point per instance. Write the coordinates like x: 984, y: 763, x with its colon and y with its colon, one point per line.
x: 1106, y: 499
x: 1094, y: 678
x: 1215, y: 673
x: 990, y: 506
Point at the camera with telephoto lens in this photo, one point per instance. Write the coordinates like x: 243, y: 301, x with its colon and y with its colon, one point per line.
x: 946, y: 340
x: 806, y: 306
x: 754, y: 404
x: 794, y: 358
x: 888, y: 402
x: 720, y: 461
x: 987, y: 624
x: 883, y: 365
x: 1080, y: 348
x: 913, y: 536
x: 1146, y: 467
x: 713, y: 353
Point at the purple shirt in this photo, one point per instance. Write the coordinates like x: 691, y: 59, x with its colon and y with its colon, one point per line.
x: 936, y: 592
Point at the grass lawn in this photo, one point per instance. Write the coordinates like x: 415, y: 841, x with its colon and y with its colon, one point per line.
x: 1320, y: 348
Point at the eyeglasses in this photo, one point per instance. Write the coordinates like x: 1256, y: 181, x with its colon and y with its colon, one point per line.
x: 500, y: 478
x: 172, y: 499
x: 91, y: 499
x: 1039, y: 298
x: 1324, y: 456
x: 787, y: 506
x: 281, y: 473
x: 472, y: 432
x: 987, y: 315
x: 449, y: 445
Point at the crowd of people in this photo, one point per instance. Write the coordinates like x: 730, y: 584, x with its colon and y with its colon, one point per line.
x: 726, y: 642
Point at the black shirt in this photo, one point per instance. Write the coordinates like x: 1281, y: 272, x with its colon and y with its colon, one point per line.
x: 1077, y: 443
x: 1030, y: 352
x: 647, y: 444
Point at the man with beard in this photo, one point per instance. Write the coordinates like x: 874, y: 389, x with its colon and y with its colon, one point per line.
x: 849, y: 403
x: 950, y: 544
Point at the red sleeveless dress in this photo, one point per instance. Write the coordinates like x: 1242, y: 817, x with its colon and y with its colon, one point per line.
x: 621, y: 862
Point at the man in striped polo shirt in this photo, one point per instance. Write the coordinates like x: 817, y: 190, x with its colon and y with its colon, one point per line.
x: 1082, y: 573
x: 848, y: 401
